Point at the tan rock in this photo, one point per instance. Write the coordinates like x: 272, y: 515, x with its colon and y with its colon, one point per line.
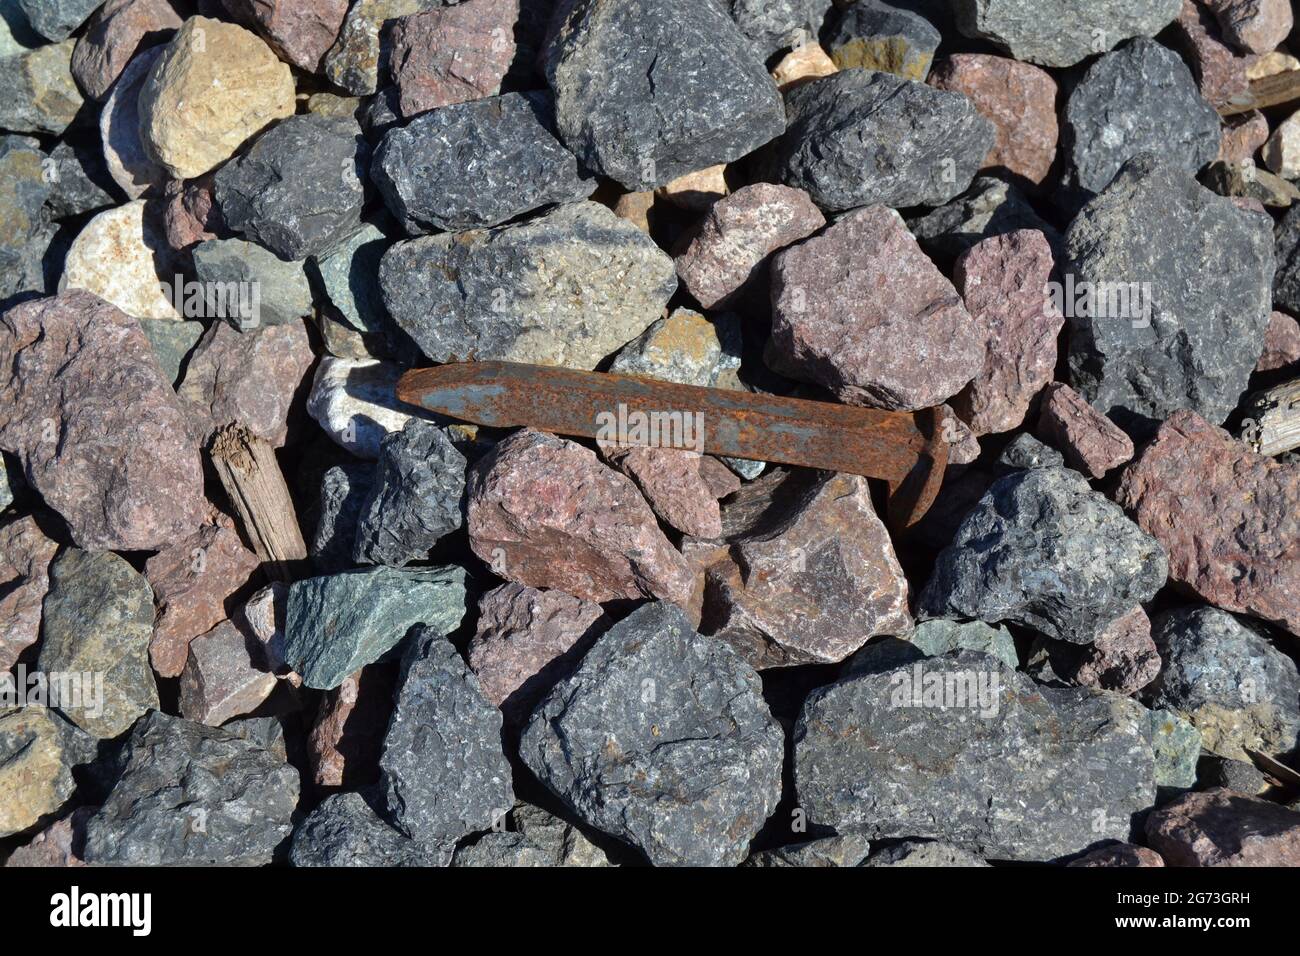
x: 38, y: 750
x: 1282, y: 151
x: 635, y: 208
x: 802, y: 64
x: 1271, y: 64
x: 116, y: 257
x: 696, y: 191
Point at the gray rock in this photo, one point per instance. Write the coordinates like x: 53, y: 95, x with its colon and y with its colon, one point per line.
x: 991, y: 207
x: 1025, y: 451
x: 861, y: 137
x: 344, y: 490
x: 776, y: 25
x: 358, y: 60
x: 79, y: 180
x: 662, y: 739
x: 16, y: 34
x: 1234, y: 775
x: 1062, y: 32
x: 477, y: 164
x: 444, y: 772
x: 938, y: 637
x: 24, y: 192
x: 880, y: 36
x: 348, y: 278
x: 1205, y: 271
x: 344, y: 831
x: 539, y: 839
x: 415, y: 499
x: 192, y: 795
x: 298, y: 190
x: 1176, y: 746
x: 1239, y: 691
x: 57, y: 19
x: 649, y: 90
x: 283, y: 293
x: 961, y: 749
x: 172, y: 343
x: 1139, y: 99
x: 1044, y: 550
x: 1286, y: 250
x: 567, y: 288
x: 37, y: 91
x: 927, y: 853
x: 337, y: 624
x: 843, y: 849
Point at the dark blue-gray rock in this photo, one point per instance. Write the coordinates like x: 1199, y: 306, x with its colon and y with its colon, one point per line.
x: 347, y: 284
x: 1062, y: 32
x: 843, y: 849
x: 1044, y: 550
x: 1198, y: 273
x: 344, y: 490
x: 661, y: 738
x: 961, y: 749
x: 538, y: 839
x: 862, y: 137
x: 927, y: 853
x: 776, y: 25
x: 37, y: 91
x: 191, y: 795
x: 1024, y: 452
x: 1235, y: 775
x: 345, y: 831
x: 1176, y: 747
x: 298, y: 190
x: 28, y: 231
x: 1240, y: 691
x: 649, y: 90
x: 1139, y: 99
x: 1286, y: 250
x: 875, y: 35
x: 477, y: 164
x: 416, y: 498
x: 335, y: 625
x: 172, y: 343
x: 938, y: 637
x: 990, y: 207
x: 444, y: 772
x: 283, y: 293
x: 79, y: 180
x: 567, y: 288
x: 57, y: 19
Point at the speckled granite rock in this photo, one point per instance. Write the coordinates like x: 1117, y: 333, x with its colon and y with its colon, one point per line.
x: 843, y: 849
x: 774, y: 25
x: 878, y: 36
x: 300, y: 31
x: 347, y: 735
x: 990, y: 207
x: 113, y: 38
x: 924, y: 853
x: 454, y: 53
x: 539, y: 839
x: 120, y: 256
x: 938, y: 637
x: 353, y: 62
x: 1060, y: 32
x: 225, y: 676
x: 344, y: 830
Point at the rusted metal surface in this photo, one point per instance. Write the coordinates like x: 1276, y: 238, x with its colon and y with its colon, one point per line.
x: 905, y: 449
x: 1275, y: 90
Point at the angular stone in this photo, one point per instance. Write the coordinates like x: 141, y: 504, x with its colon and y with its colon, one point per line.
x: 334, y: 625
x: 1235, y: 775
x: 1176, y: 744
x: 1090, y: 441
x: 525, y: 293
x: 116, y: 256
x: 79, y: 179
x: 115, y: 36
x: 1018, y: 772
x: 24, y: 194
x: 1120, y: 854
x: 56, y: 19
x: 1229, y: 519
x: 348, y: 733
x: 685, y: 347
x: 1220, y: 73
x: 696, y: 191
x: 300, y: 31
x: 539, y: 839
x: 860, y: 137
x: 98, y: 430
x: 680, y: 88
x: 802, y: 65
x: 774, y: 25
x: 172, y: 342
x: 348, y: 276
x: 353, y: 62
x: 1246, y: 181
x: 283, y: 292
x: 876, y: 36
x: 926, y: 853
x: 991, y: 207
x: 938, y: 637
x: 16, y: 34
x: 1281, y: 343
x: 262, y: 617
x: 544, y: 512
x: 843, y: 849
x: 224, y: 677
x: 344, y: 830
x: 676, y: 485
x: 40, y: 95
x: 453, y: 54
x: 1242, y: 136
x: 1286, y: 281
x: 682, y: 716
x: 891, y: 332
x: 25, y: 556
x: 196, y: 795
x: 56, y: 845
x: 1222, y: 828
x: 1061, y: 32
x: 131, y: 167
x: 1124, y: 657
x: 1255, y: 26
x: 38, y: 751
x: 344, y: 490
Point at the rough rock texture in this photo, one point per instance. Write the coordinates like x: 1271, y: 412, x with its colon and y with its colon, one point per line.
x: 860, y: 137
x: 861, y: 310
x: 348, y: 277
x: 727, y: 260
x: 1235, y: 775
x: 28, y: 231
x: 938, y: 637
x: 79, y: 179
x: 843, y: 849
x: 877, y: 36
x: 98, y: 430
x: 1231, y: 683
x: 924, y: 853
x: 299, y: 189
x: 881, y: 751
x: 1090, y: 441
x: 1124, y: 658
x: 1204, y: 270
x: 128, y: 163
x: 1281, y: 343
x: 1286, y: 283
x: 196, y: 795
x: 114, y: 37
x: 1176, y: 744
x: 696, y: 191
x: 774, y: 25
x: 662, y: 739
x: 478, y: 164
x: 802, y: 65
x: 214, y: 87
x: 116, y: 256
x: 1220, y: 73
x: 1242, y: 136
x: 38, y: 751
x: 529, y: 292
x: 1002, y: 280
x: 343, y: 491
x: 353, y: 62
x: 444, y: 772
x: 991, y: 207
x: 40, y: 95
x: 1222, y: 828
x: 1044, y: 550
x: 25, y: 556
x: 55, y: 846
x: 686, y: 347
x: 300, y: 31
x: 647, y: 90
x: 678, y: 484
x: 1120, y: 854
x: 262, y: 617
x: 283, y: 292
x: 1227, y: 517
x: 98, y: 618
x: 539, y: 839
x: 544, y: 512
x: 1061, y: 32
x: 1254, y: 26
x: 348, y: 733
x: 194, y: 580
x: 453, y: 54
x: 416, y: 497
x: 344, y: 830
x: 1019, y: 99
x: 224, y: 677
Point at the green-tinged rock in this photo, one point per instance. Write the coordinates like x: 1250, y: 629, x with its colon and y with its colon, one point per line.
x: 1176, y: 745
x: 37, y: 91
x: 349, y: 278
x: 283, y: 293
x: 6, y: 488
x: 941, y: 636
x: 539, y: 839
x: 172, y: 343
x: 38, y: 750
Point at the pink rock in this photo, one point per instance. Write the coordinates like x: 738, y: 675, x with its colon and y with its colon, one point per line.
x: 55, y: 845
x: 1281, y: 343
x: 1228, y: 518
x: 347, y: 737
x: 1221, y: 828
x: 1090, y: 441
x: 1123, y: 659
x: 300, y: 32
x: 1121, y: 854
x: 1242, y: 136
x: 1003, y: 280
x: 545, y: 512
x: 727, y: 258
x: 115, y: 34
x: 96, y: 425
x: 189, y: 215
x: 526, y: 640
x: 194, y: 580
x: 250, y: 377
x: 453, y: 54
x: 224, y: 676
x: 672, y: 482
x: 861, y: 310
x: 1020, y: 101
x: 1254, y: 26
x: 25, y: 556
x: 1220, y: 72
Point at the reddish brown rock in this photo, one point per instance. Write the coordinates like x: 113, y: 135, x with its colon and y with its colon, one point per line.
x: 1090, y: 441
x: 1254, y: 26
x: 1221, y: 828
x: 1018, y: 98
x: 1121, y: 854
x: 545, y: 512
x: 115, y: 34
x: 347, y: 737
x: 527, y: 640
x: 194, y: 580
x: 56, y: 845
x: 1124, y: 658
x: 250, y: 377
x: 25, y: 556
x: 96, y: 425
x: 1281, y: 343
x: 1242, y: 136
x: 1220, y: 72
x: 1228, y: 518
x: 301, y: 32
x: 672, y: 482
x: 453, y: 54
x: 1003, y: 281
x: 861, y: 310
x: 224, y: 676
x: 727, y: 258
